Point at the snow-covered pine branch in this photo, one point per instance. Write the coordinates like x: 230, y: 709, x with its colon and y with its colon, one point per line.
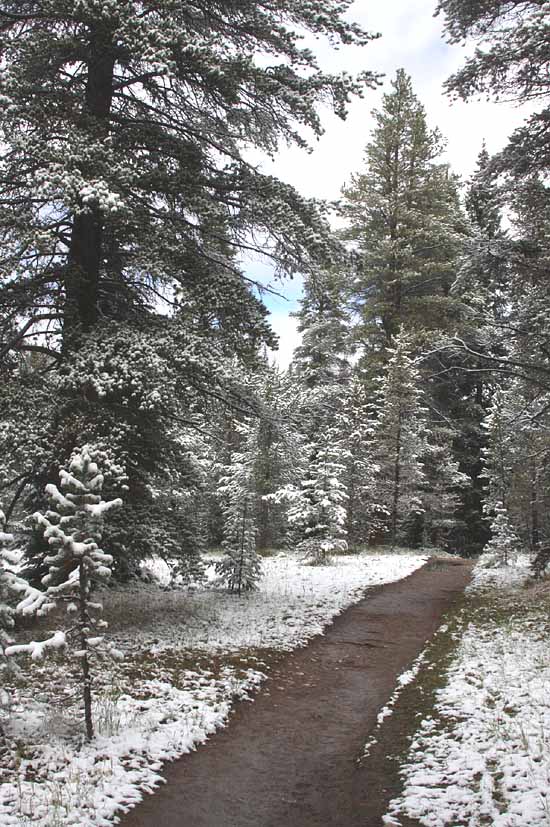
x: 317, y: 508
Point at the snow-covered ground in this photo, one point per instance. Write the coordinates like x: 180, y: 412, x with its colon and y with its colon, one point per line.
x: 483, y: 756
x: 189, y: 656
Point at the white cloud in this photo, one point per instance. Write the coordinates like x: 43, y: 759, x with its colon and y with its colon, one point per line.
x: 286, y: 328
x: 413, y: 39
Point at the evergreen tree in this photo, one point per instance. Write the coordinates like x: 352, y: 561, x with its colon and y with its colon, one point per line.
x: 131, y: 171
x: 240, y: 568
x: 322, y: 358
x: 317, y: 507
x: 6, y: 611
x: 504, y: 543
x: 277, y: 451
x: 403, y: 216
x: 125, y: 200
x: 400, y: 438
x: 73, y: 528
x: 464, y: 387
x: 511, y: 62
x: 356, y: 429
x: 443, y: 491
x: 16, y: 598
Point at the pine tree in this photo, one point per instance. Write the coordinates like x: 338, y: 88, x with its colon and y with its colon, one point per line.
x: 511, y: 62
x: 6, y: 610
x: 277, y: 450
x: 404, y: 218
x: 322, y: 358
x: 504, y: 543
x: 73, y: 528
x: 443, y: 490
x: 463, y: 387
x: 356, y: 428
x: 400, y: 438
x: 240, y: 568
x: 126, y: 198
x: 132, y: 122
x: 317, y: 507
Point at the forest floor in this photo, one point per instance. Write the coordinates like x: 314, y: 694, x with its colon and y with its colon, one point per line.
x: 420, y: 706
x: 296, y: 756
x: 469, y: 740
x: 190, y: 656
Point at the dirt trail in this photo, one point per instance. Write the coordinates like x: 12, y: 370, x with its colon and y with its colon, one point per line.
x: 290, y: 759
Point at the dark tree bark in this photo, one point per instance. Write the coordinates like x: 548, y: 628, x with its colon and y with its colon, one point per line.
x: 86, y: 245
x: 84, y: 660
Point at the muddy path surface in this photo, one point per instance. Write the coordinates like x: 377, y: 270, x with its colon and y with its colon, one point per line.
x: 291, y: 758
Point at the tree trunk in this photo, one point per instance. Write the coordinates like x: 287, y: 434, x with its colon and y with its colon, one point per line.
x: 243, y: 540
x: 84, y: 661
x: 85, y: 248
x: 535, y: 531
x: 396, y: 486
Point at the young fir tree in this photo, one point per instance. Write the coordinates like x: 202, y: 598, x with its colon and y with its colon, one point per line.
x: 504, y: 544
x: 317, y: 507
x: 7, y: 622
x: 277, y: 451
x: 73, y: 528
x: 240, y: 568
x: 356, y: 427
x: 403, y: 216
x: 400, y: 438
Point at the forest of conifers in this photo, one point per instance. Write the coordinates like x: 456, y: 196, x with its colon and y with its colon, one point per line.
x: 140, y: 405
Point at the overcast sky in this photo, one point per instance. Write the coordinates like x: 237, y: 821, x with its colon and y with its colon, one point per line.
x: 411, y: 38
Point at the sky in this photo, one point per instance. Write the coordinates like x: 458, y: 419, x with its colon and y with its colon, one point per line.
x: 411, y: 38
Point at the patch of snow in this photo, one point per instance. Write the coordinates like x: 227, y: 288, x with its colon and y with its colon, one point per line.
x: 143, y: 721
x: 484, y: 756
x: 403, y: 680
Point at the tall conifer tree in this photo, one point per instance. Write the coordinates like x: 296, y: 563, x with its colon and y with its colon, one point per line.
x: 403, y: 216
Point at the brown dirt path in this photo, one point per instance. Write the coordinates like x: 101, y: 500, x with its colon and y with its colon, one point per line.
x: 290, y: 759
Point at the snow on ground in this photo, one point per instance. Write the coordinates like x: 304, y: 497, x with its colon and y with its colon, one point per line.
x: 189, y: 656
x: 294, y: 603
x: 483, y: 757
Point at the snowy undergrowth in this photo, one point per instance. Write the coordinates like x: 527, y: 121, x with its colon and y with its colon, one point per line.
x: 294, y: 603
x: 189, y: 656
x: 482, y: 757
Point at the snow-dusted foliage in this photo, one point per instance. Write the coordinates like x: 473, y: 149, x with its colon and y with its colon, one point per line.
x: 321, y: 359
x: 400, y: 211
x: 504, y: 545
x: 73, y: 528
x: 444, y: 484
x: 516, y: 462
x: 355, y: 423
x: 317, y: 508
x: 6, y: 605
x: 16, y: 596
x: 400, y: 438
x: 276, y: 448
x: 240, y: 568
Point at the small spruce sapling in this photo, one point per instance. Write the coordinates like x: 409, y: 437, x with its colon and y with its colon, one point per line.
x: 240, y: 568
x: 10, y: 586
x: 7, y: 578
x: 504, y: 543
x: 73, y: 527
x: 317, y: 508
